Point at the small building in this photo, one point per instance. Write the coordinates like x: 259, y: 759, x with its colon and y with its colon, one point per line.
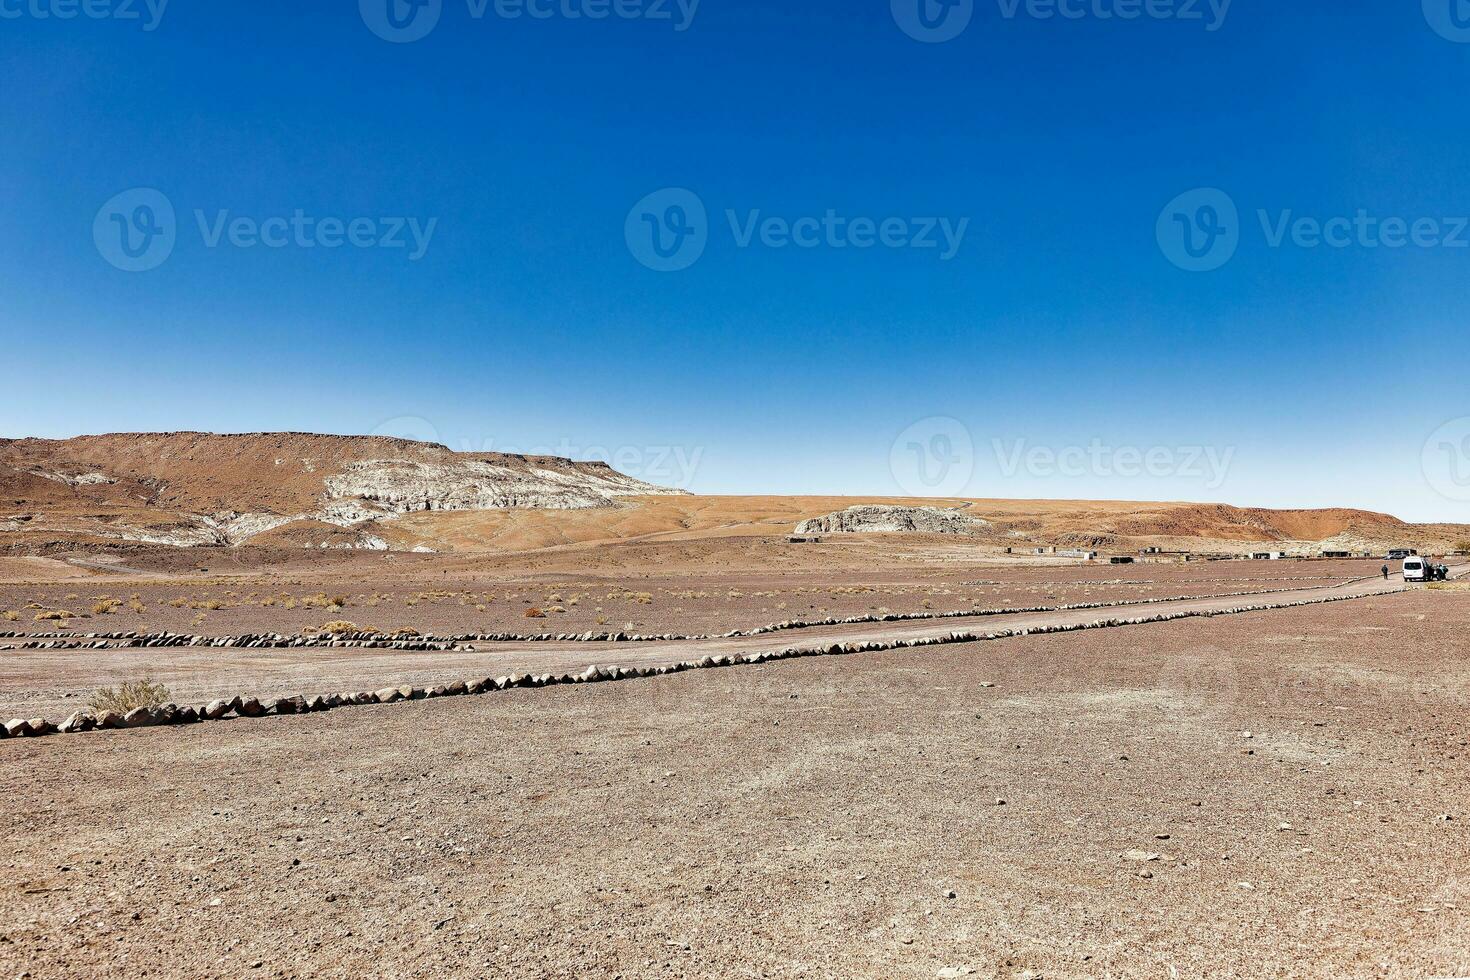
x: 1121, y: 560
x: 1337, y: 554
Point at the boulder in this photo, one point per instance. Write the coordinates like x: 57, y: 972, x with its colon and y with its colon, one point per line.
x: 17, y: 728
x: 109, y: 719
x: 40, y: 726
x: 217, y: 709
x: 388, y: 695
x: 138, y: 718
x: 250, y: 708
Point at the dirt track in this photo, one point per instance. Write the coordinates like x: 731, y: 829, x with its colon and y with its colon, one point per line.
x: 805, y: 818
x: 53, y: 683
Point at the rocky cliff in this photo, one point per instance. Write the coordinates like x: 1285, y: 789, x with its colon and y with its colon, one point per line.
x: 189, y: 488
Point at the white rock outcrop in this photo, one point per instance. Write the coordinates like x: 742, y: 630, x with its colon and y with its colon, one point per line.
x: 883, y: 518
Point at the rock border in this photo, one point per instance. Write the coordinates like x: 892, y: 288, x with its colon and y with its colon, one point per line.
x: 248, y: 707
x: 427, y: 643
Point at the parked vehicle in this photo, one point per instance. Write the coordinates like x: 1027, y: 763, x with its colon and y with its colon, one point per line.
x: 1399, y: 554
x: 1417, y: 570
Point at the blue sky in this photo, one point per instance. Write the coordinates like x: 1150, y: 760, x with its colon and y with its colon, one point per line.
x: 522, y: 318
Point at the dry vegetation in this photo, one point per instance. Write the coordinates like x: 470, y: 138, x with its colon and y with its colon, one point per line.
x: 127, y: 696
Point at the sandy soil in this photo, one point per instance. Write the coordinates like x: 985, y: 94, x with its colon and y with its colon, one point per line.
x: 806, y: 818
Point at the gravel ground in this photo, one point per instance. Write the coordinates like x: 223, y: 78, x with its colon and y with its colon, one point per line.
x: 675, y: 600
x: 54, y: 683
x: 812, y: 818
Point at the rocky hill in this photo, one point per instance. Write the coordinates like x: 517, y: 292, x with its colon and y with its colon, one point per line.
x: 190, y: 488
x: 883, y: 518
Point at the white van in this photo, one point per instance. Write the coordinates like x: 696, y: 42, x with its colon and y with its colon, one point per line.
x: 1416, y: 570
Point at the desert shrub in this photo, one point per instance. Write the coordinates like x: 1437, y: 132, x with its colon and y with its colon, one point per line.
x: 11, y: 616
x: 405, y: 631
x: 106, y: 607
x: 136, y: 605
x: 601, y: 620
x: 339, y: 626
x: 533, y: 613
x: 127, y: 696
x: 178, y: 602
x: 211, y: 604
x: 52, y: 615
x: 556, y: 609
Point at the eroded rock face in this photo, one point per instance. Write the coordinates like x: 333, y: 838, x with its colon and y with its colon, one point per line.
x: 191, y: 489
x: 403, y: 486
x: 880, y: 518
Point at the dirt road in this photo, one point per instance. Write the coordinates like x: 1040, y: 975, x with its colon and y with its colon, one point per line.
x: 53, y: 683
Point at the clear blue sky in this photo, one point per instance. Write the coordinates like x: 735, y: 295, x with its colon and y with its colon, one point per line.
x: 528, y: 321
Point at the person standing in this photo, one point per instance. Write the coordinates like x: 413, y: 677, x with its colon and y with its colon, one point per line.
x: 1385, y: 573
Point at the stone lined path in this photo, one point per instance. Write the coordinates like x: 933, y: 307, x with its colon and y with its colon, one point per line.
x: 55, y: 683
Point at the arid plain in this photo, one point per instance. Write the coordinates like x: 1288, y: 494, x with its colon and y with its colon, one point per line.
x: 655, y: 736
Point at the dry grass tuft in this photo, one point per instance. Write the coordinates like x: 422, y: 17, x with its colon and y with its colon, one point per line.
x: 534, y: 613
x: 53, y: 615
x: 127, y: 696
x: 339, y: 626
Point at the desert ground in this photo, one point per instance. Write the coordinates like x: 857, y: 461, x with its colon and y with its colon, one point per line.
x: 1269, y: 793
x: 1275, y: 793
x: 479, y: 715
